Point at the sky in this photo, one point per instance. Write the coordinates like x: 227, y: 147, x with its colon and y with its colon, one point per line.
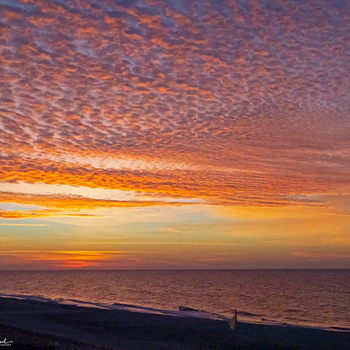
x: 173, y: 134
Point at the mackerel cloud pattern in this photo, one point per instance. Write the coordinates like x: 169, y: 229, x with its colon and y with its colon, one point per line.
x: 221, y: 102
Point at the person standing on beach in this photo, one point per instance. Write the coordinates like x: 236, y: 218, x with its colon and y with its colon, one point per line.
x: 233, y: 321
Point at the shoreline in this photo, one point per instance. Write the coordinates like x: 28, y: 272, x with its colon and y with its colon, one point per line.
x: 192, y: 313
x: 41, y: 324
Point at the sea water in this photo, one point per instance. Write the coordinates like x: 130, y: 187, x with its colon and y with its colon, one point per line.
x: 308, y: 298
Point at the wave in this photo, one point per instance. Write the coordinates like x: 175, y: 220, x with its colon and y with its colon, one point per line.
x: 342, y: 329
x: 33, y: 297
x: 182, y: 311
x: 26, y: 297
x: 242, y: 313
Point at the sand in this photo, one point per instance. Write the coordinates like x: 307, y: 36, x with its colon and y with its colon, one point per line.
x: 38, y: 325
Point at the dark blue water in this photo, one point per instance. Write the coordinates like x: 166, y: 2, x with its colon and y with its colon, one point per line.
x: 312, y: 298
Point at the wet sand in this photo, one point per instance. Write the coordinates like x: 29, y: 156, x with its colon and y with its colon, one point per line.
x: 38, y: 325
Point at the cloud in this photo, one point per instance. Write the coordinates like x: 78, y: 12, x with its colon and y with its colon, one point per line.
x: 25, y: 225
x: 68, y: 259
x: 319, y: 256
x: 68, y: 205
x: 32, y: 214
x: 177, y: 230
x: 213, y: 186
x: 244, y: 103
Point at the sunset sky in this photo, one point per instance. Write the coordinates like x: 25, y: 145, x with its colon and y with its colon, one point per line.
x: 155, y: 134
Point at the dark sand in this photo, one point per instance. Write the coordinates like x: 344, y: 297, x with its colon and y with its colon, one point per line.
x: 38, y: 325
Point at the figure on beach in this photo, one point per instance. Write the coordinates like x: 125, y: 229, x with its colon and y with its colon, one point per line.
x: 233, y: 321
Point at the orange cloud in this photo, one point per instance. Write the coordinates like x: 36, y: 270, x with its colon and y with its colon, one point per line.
x: 24, y: 225
x: 241, y: 189
x: 32, y: 214
x: 257, y: 113
x: 70, y: 259
x: 68, y: 205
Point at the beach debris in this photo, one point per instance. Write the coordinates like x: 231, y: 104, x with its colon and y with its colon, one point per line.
x: 233, y: 321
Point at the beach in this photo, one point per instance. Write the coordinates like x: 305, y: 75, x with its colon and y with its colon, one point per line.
x: 46, y: 325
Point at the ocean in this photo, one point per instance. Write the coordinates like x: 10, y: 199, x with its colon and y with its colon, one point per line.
x: 308, y: 298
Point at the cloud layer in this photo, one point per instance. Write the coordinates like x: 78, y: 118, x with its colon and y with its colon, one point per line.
x: 230, y: 102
